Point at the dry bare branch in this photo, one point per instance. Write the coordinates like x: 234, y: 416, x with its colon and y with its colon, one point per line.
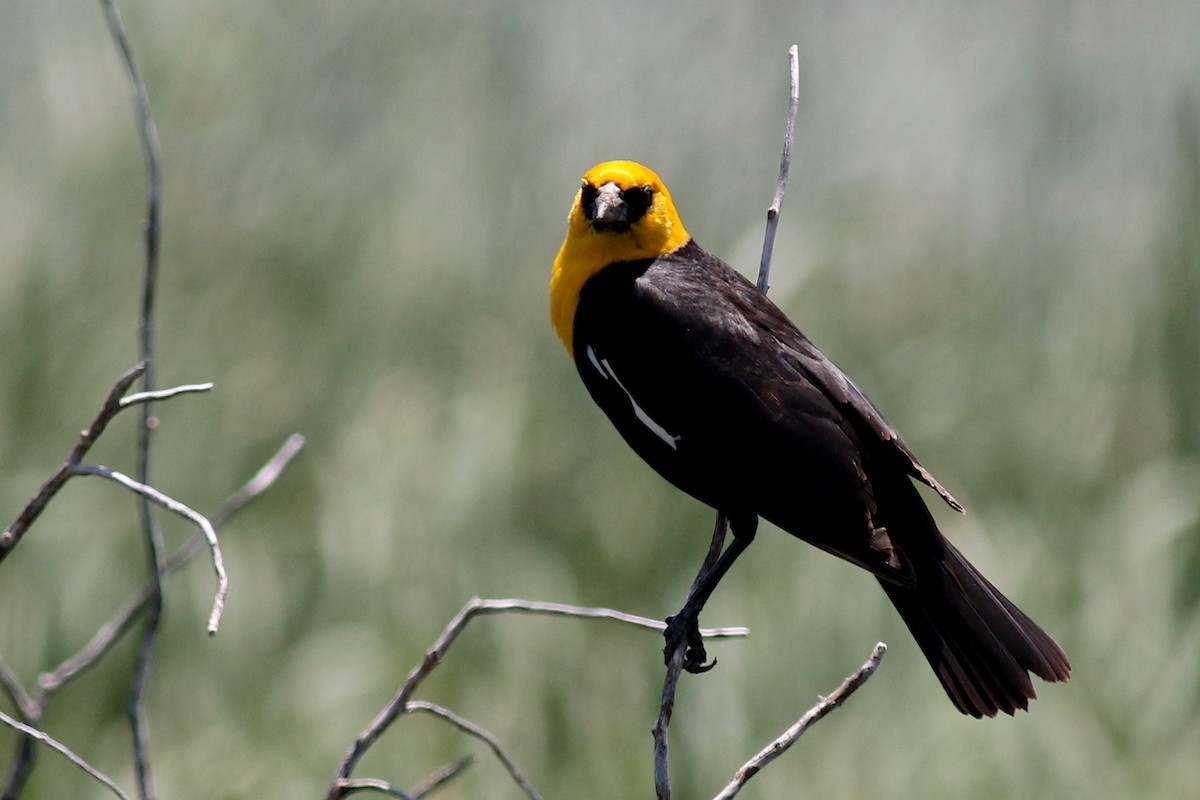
x: 483, y: 735
x: 433, y: 657
x: 122, y: 621
x: 33, y: 509
x: 116, y: 402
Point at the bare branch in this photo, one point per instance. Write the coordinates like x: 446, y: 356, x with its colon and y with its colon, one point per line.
x: 785, y: 165
x: 49, y: 741
x: 262, y: 480
x: 586, y: 612
x: 471, y: 729
x: 786, y: 739
x: 171, y: 504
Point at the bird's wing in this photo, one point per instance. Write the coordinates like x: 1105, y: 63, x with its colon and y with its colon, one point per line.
x: 843, y: 391
x: 756, y: 326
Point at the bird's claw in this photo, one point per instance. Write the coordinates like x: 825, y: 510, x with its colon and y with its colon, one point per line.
x: 683, y: 630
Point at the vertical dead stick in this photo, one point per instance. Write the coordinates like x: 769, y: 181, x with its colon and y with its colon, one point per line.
x: 785, y: 165
x: 662, y: 772
x: 152, y: 155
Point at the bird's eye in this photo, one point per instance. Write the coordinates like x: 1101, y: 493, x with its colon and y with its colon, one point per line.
x: 587, y: 199
x: 637, y: 201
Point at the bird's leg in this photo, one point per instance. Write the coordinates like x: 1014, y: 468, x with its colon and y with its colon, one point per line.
x: 684, y: 627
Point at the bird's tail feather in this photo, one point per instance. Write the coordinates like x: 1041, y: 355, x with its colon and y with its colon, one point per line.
x: 980, y: 645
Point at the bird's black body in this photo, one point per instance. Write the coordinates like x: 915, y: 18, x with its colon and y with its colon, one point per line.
x: 718, y: 391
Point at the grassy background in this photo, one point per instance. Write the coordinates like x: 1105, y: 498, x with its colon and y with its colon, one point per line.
x: 993, y: 225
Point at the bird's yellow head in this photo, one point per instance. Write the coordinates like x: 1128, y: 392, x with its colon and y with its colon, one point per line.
x: 622, y: 212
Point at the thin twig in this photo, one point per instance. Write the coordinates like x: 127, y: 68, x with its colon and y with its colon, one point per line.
x: 164, y: 394
x: 152, y: 495
x: 662, y: 772
x: 786, y: 739
x: 785, y: 165
x: 441, y: 777
x: 49, y: 741
x: 434, y: 656
x: 471, y: 729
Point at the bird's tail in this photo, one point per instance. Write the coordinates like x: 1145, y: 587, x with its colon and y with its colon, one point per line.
x: 980, y: 645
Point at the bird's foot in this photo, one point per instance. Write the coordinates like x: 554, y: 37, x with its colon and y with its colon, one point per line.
x: 683, y: 630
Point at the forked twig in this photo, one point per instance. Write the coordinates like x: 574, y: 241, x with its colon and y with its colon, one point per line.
x: 34, y: 508
x: 474, y: 607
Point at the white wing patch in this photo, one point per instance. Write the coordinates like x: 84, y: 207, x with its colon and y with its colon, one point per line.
x: 606, y: 372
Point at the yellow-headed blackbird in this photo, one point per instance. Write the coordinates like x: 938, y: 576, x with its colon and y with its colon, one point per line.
x: 711, y: 384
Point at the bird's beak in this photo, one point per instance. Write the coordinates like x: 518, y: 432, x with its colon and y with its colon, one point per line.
x: 609, y: 208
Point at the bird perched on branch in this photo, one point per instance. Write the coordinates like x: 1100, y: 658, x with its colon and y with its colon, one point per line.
x: 711, y: 384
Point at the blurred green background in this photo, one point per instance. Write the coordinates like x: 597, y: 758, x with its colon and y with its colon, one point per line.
x: 993, y: 224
